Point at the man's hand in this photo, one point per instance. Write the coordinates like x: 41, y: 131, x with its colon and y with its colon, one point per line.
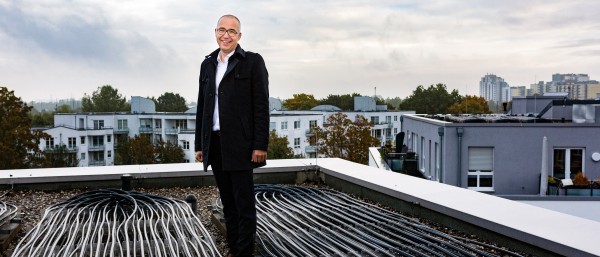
x: 199, y: 156
x: 257, y: 156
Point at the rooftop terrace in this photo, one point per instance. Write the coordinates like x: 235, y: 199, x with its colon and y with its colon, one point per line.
x: 528, y: 228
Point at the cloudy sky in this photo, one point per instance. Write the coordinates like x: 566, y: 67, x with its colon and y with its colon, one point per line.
x: 56, y: 49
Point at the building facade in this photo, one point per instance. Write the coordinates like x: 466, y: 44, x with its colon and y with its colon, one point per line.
x: 500, y: 154
x: 93, y: 137
x: 494, y: 89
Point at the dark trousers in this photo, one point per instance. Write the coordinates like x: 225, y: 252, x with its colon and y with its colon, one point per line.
x: 236, y: 189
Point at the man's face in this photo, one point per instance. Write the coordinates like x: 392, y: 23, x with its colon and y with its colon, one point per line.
x: 228, y: 41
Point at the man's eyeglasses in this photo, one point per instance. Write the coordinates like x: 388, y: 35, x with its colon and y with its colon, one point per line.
x: 230, y: 32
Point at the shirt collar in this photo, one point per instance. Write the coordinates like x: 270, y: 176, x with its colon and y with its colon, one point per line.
x: 226, y: 58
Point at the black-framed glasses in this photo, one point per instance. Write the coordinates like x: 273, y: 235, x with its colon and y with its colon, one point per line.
x: 230, y: 32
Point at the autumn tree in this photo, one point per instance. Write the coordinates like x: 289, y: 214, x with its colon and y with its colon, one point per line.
x: 170, y: 102
x: 18, y: 143
x: 59, y: 156
x: 279, y: 147
x: 300, y: 102
x: 432, y: 100
x: 344, y: 102
x: 136, y: 150
x: 168, y: 152
x: 105, y: 99
x: 141, y: 150
x: 470, y: 104
x: 346, y: 139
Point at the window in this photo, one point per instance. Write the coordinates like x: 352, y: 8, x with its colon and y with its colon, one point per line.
x: 82, y: 140
x: 83, y: 156
x: 481, y: 168
x: 121, y: 124
x: 272, y: 126
x: 312, y: 123
x: 388, y: 119
x: 297, y: 142
x: 395, y: 118
x: 395, y: 131
x: 109, y: 154
x: 97, y: 140
x: 98, y: 124
x: 181, y: 124
x: 284, y: 125
x: 49, y: 142
x: 185, y: 145
x: 375, y: 119
x: 72, y: 142
x: 108, y: 137
x: 157, y: 124
x: 296, y: 124
x: 567, y: 162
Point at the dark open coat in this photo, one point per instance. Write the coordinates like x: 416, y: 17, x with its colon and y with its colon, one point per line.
x: 243, y: 109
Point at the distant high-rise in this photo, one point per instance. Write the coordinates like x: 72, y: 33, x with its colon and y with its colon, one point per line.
x: 494, y: 89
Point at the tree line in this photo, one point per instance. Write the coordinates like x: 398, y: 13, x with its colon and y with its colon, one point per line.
x: 434, y: 99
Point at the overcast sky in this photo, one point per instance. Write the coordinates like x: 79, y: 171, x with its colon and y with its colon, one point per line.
x: 56, y: 49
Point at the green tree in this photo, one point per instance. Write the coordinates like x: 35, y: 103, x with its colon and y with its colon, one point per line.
x: 346, y: 139
x: 279, y: 147
x: 344, y: 102
x: 167, y: 152
x: 300, y: 102
x: 169, y: 102
x: 65, y: 108
x: 105, y: 99
x: 470, y: 104
x: 18, y: 143
x: 433, y: 100
x: 393, y: 103
x: 41, y: 119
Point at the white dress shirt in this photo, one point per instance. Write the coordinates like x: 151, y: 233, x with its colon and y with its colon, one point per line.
x: 221, y: 68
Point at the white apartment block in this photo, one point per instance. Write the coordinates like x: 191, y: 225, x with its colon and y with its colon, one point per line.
x: 94, y: 136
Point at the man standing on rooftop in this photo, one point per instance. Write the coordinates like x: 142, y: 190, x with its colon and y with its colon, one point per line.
x: 232, y: 129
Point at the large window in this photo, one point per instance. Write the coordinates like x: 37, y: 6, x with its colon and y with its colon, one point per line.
x: 272, y: 126
x: 98, y: 124
x: 297, y: 142
x: 72, y: 142
x: 121, y: 124
x: 49, y: 142
x: 312, y: 123
x: 185, y: 145
x: 181, y: 124
x: 567, y: 162
x: 284, y: 125
x: 97, y: 141
x: 375, y: 119
x: 481, y: 168
x: 296, y: 124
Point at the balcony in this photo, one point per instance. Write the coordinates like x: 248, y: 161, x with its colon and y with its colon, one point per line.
x: 97, y: 163
x: 96, y: 148
x: 171, y: 131
x: 310, y: 132
x: 310, y: 149
x: 121, y: 131
x: 71, y: 149
x: 146, y: 130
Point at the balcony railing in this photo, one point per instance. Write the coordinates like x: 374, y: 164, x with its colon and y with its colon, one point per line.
x: 96, y: 148
x: 97, y: 163
x: 71, y: 149
x: 121, y: 130
x: 310, y: 149
x: 145, y: 130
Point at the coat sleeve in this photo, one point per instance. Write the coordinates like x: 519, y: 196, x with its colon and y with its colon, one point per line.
x: 199, y: 110
x: 260, y: 102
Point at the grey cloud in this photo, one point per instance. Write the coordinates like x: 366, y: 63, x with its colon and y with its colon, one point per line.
x: 89, y: 39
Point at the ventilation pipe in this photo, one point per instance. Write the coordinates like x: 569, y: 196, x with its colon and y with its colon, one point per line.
x: 459, y: 133
x: 440, y: 175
